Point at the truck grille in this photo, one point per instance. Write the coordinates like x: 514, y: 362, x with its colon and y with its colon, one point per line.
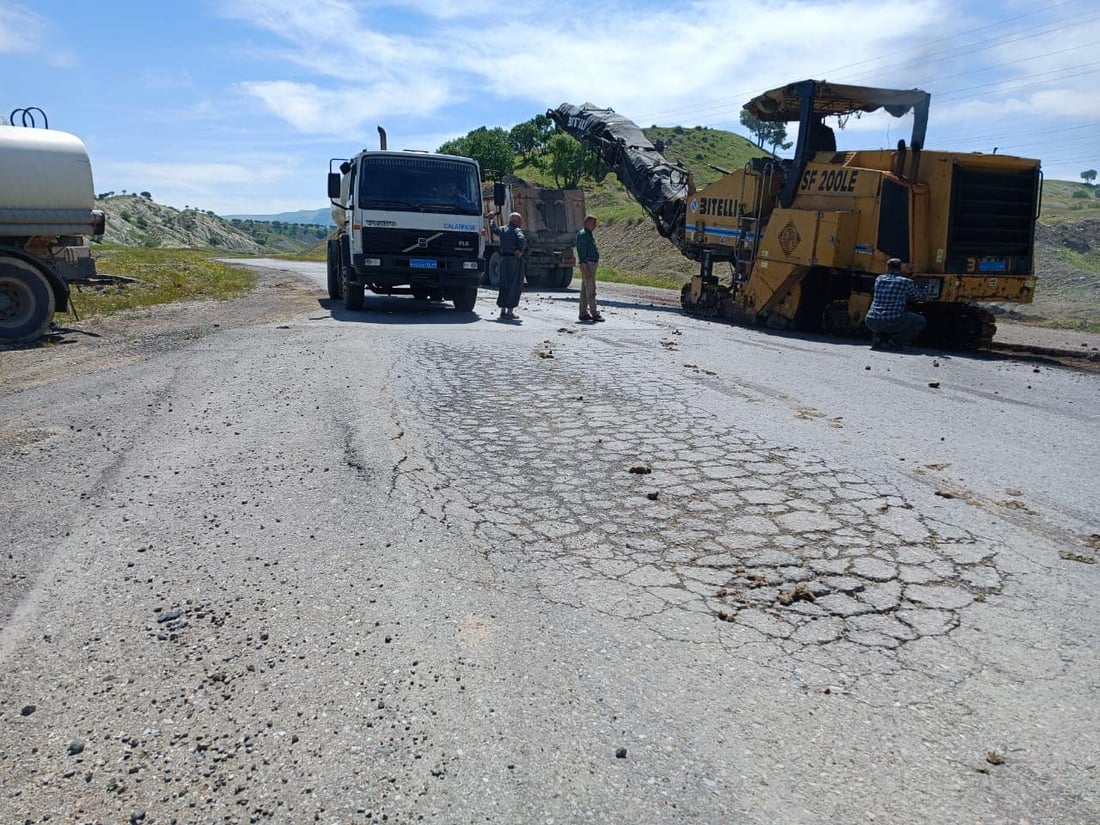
x: 992, y: 217
x: 420, y: 243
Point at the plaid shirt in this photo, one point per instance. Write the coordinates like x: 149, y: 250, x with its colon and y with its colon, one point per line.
x: 892, y: 291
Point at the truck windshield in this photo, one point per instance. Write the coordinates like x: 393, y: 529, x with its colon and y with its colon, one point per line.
x: 419, y: 183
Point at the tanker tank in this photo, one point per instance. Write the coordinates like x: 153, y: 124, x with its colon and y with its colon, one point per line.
x: 45, y: 183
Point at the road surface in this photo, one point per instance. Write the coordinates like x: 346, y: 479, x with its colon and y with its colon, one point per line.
x: 412, y: 564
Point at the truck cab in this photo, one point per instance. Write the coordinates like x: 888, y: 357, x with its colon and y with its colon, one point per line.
x: 408, y: 223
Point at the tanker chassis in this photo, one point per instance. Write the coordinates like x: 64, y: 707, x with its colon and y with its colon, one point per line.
x: 46, y: 199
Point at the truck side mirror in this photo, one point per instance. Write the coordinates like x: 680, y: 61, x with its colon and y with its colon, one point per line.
x: 499, y: 193
x: 333, y: 186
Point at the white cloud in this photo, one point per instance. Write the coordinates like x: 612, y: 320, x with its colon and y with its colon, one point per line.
x: 311, y: 109
x: 188, y: 177
x: 653, y: 65
x: 21, y: 30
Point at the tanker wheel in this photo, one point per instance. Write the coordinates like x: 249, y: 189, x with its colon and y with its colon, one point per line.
x: 335, y: 281
x: 465, y: 298
x: 493, y: 271
x: 353, y: 297
x: 26, y: 301
x: 421, y: 294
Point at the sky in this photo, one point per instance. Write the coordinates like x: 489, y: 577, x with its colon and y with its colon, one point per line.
x: 238, y: 106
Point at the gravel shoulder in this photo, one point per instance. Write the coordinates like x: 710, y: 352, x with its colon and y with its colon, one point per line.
x: 98, y: 344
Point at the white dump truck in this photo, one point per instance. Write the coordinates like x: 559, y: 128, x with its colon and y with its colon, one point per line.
x: 408, y: 223
x: 46, y: 214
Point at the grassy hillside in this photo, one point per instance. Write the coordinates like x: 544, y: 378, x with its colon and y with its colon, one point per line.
x: 1064, y: 201
x: 134, y: 220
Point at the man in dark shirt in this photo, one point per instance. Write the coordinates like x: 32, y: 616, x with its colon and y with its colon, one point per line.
x: 892, y: 325
x: 513, y: 244
x: 589, y: 258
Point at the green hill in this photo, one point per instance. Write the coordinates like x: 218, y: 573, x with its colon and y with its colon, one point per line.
x: 136, y: 220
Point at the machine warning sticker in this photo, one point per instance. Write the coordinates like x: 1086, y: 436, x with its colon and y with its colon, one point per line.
x: 789, y: 239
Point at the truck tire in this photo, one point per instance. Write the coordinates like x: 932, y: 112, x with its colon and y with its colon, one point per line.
x: 565, y: 277
x: 465, y: 298
x: 353, y: 297
x: 335, y: 280
x: 493, y: 271
x: 421, y: 294
x: 26, y: 301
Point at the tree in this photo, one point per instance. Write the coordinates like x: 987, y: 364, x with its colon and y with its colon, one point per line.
x: 454, y: 147
x: 146, y: 195
x: 1089, y: 175
x: 491, y: 149
x: 568, y: 160
x: 772, y: 133
x: 525, y: 138
x: 546, y: 129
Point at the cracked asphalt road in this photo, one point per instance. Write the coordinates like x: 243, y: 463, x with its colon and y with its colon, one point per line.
x: 413, y: 565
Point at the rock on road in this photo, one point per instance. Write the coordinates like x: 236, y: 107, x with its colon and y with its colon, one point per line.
x: 410, y: 564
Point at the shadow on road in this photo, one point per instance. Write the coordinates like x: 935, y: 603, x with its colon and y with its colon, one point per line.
x: 400, y: 309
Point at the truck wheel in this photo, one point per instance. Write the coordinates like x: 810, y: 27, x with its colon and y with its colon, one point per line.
x: 26, y: 301
x: 565, y: 277
x: 335, y: 281
x: 465, y: 298
x: 421, y: 294
x: 353, y: 297
x: 493, y: 271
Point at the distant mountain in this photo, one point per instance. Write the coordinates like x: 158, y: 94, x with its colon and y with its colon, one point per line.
x: 313, y: 217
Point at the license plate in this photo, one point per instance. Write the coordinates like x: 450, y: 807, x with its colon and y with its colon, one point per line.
x: 422, y: 263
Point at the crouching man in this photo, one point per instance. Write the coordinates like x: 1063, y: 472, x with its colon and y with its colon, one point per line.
x: 892, y: 325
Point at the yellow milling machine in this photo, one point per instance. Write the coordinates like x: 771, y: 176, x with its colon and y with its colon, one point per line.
x: 798, y: 242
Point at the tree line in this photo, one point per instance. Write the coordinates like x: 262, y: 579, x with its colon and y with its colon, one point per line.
x: 538, y: 143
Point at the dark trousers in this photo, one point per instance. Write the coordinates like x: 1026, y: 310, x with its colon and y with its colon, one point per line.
x: 900, y: 330
x: 511, y: 281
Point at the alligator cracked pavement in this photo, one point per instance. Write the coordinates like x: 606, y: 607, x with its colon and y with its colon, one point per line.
x: 408, y: 565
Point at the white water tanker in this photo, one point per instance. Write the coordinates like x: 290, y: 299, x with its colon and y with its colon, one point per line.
x: 46, y: 212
